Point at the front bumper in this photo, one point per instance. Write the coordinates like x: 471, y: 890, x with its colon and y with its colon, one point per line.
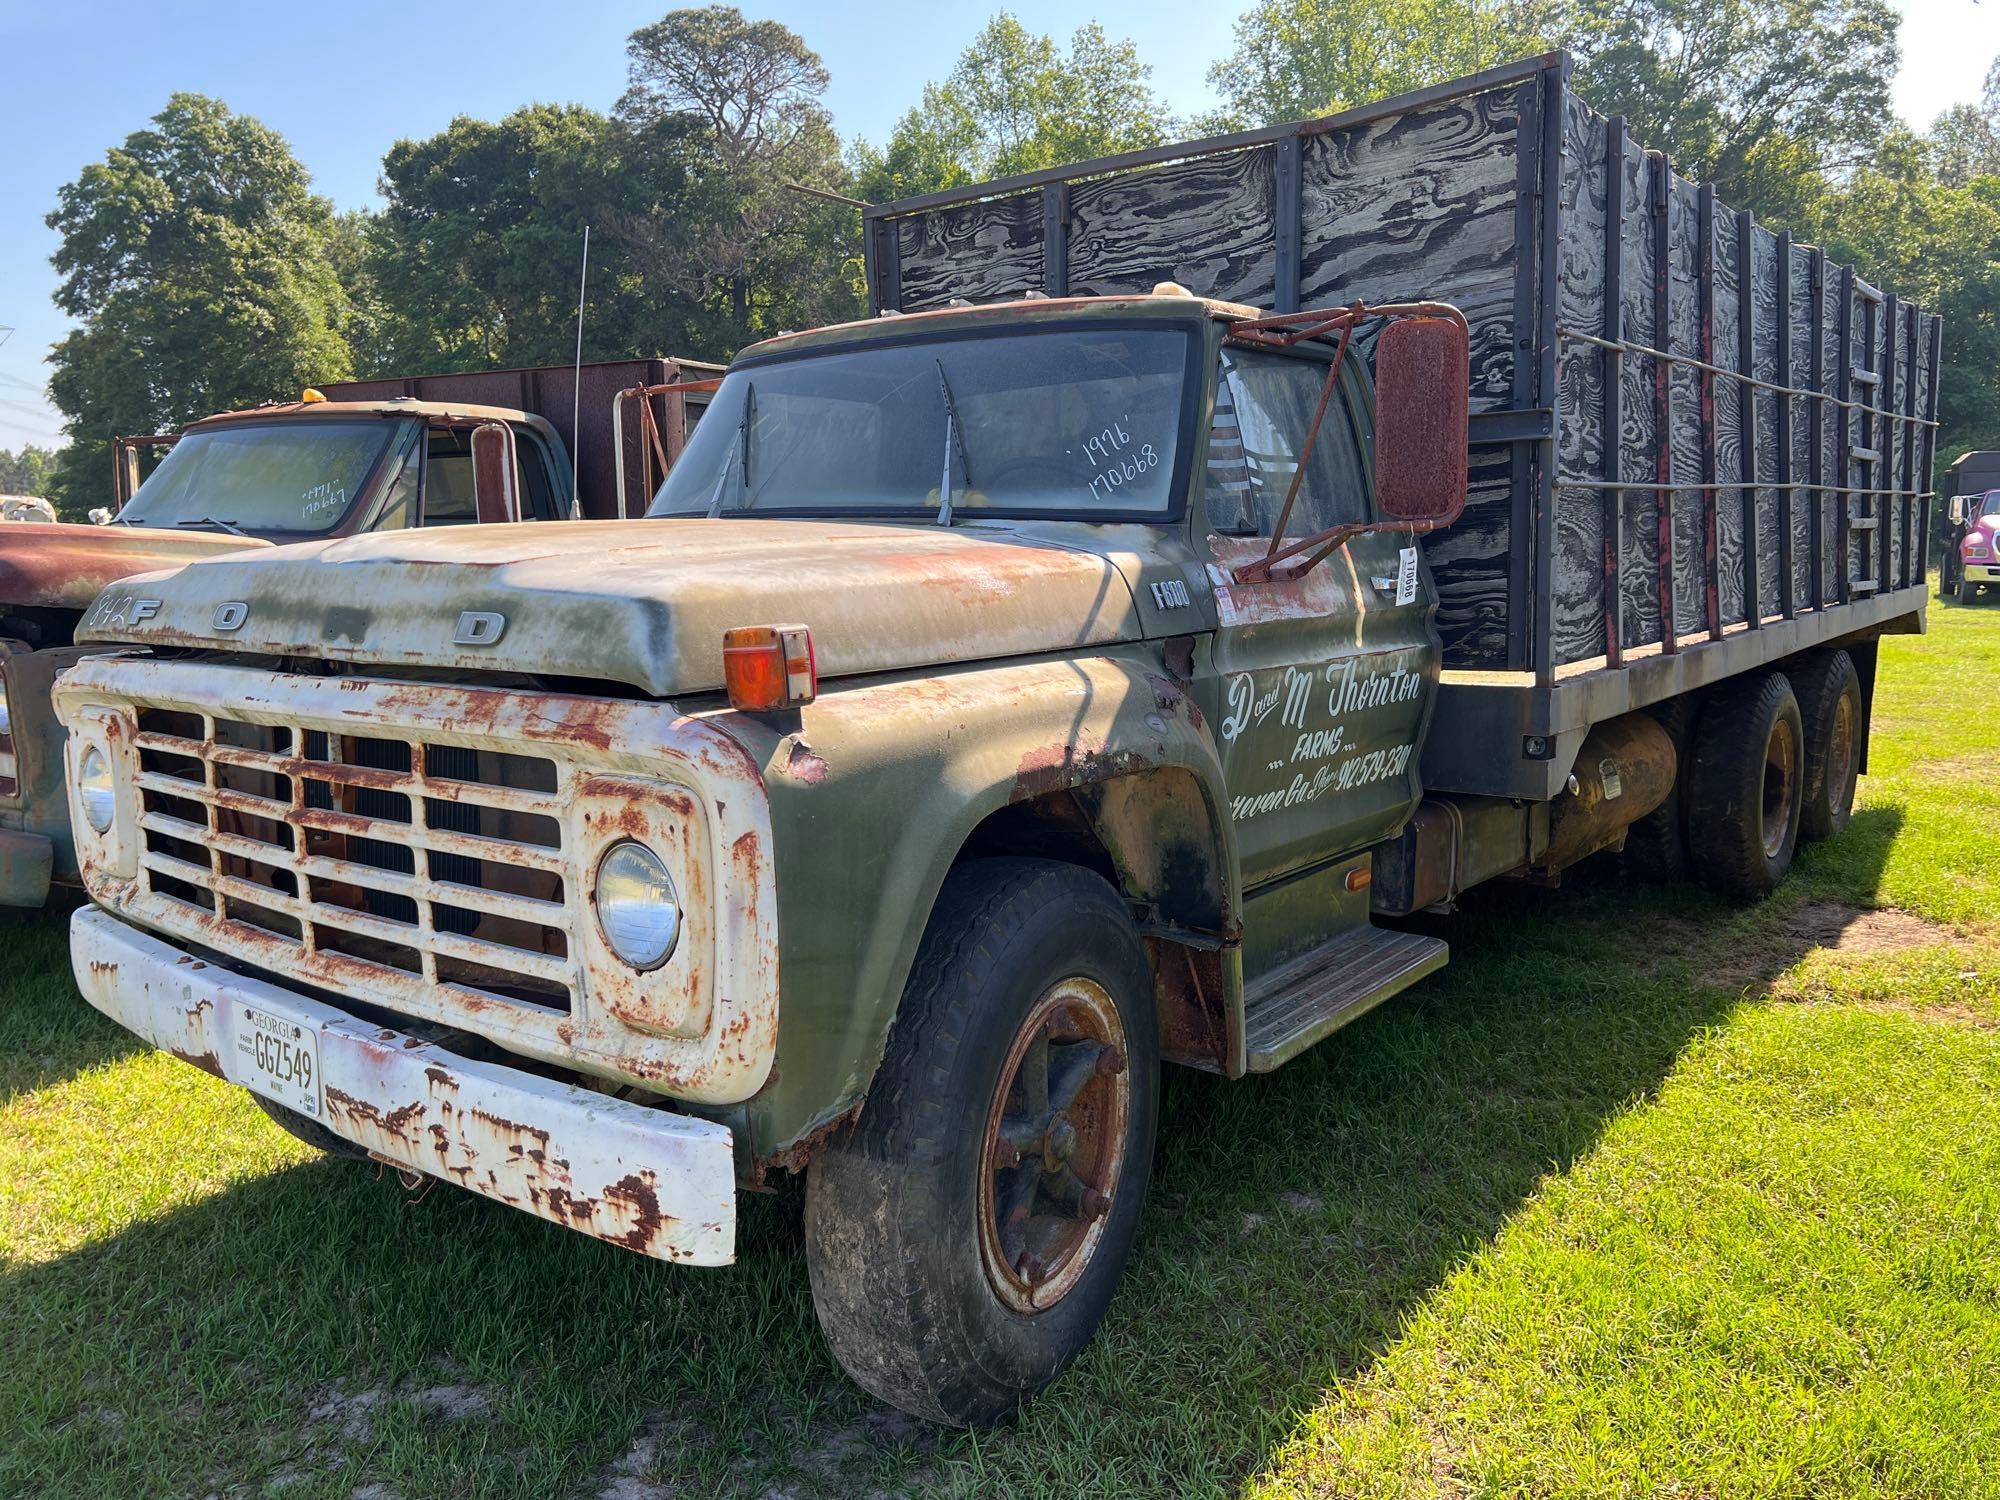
x: 27, y: 865
x: 660, y: 1183
x: 1982, y: 573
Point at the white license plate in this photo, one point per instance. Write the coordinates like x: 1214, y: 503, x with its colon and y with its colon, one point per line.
x: 279, y: 1059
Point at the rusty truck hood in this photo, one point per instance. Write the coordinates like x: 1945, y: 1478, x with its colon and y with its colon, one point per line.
x: 56, y: 565
x: 642, y: 602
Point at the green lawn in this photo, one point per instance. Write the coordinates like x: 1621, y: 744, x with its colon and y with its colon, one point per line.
x: 1644, y: 1194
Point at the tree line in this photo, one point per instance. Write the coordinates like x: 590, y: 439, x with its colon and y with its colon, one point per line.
x: 204, y: 273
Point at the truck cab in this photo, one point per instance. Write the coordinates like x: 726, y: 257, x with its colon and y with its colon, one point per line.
x: 237, y: 481
x: 1974, y: 544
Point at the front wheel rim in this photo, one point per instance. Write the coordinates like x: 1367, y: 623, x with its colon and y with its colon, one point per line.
x: 1780, y: 771
x: 1054, y: 1145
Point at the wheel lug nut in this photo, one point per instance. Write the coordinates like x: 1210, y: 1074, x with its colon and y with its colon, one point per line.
x: 1006, y: 1154
x: 1110, y: 1062
x: 1093, y: 1203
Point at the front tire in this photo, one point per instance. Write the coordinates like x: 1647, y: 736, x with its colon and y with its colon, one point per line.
x: 1829, y: 693
x: 965, y: 1240
x: 1747, y: 786
x: 1968, y: 591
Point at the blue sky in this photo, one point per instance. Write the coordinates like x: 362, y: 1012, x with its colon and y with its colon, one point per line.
x: 342, y: 81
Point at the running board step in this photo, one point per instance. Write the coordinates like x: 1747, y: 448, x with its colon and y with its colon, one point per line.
x: 1306, y: 1000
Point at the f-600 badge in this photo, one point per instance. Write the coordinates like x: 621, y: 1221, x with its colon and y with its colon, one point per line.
x: 1170, y: 594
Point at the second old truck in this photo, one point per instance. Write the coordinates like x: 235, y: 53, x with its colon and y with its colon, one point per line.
x: 1002, y: 699
x: 361, y: 456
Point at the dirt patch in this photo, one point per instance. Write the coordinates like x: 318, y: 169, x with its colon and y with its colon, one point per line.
x: 815, y: 1462
x: 1755, y: 961
x: 1861, y: 934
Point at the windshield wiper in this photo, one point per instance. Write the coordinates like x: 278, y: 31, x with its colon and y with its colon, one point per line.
x: 954, y: 435
x: 742, y: 443
x: 229, y: 526
x: 729, y: 459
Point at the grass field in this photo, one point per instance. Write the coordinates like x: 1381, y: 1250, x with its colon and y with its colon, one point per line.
x: 1644, y: 1194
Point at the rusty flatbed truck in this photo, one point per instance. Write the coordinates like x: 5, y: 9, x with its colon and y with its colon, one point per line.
x: 371, y: 455
x: 1001, y: 699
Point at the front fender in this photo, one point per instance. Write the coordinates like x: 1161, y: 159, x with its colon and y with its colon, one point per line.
x: 875, y: 796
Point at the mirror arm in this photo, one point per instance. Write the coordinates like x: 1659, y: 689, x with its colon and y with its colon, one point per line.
x: 1263, y: 569
x: 1312, y: 438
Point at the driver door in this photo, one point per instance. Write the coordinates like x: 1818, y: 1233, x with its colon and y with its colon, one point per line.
x: 1324, y: 681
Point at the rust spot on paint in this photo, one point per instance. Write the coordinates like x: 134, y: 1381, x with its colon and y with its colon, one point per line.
x: 366, y: 1112
x: 805, y: 765
x: 636, y: 1194
x: 206, y: 1061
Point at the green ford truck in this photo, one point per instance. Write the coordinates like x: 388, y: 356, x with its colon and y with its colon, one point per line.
x: 359, y: 456
x: 1007, y: 695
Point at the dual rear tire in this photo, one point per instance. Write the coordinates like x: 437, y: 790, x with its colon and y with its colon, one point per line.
x: 1766, y: 762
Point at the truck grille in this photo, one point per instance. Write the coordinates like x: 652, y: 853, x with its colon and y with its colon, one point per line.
x: 421, y: 857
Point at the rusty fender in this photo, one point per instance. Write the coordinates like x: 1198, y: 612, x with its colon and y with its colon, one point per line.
x: 883, y: 787
x: 649, y: 1180
x: 701, y: 1027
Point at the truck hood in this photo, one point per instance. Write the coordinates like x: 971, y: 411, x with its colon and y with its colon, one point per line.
x: 640, y: 602
x: 56, y: 565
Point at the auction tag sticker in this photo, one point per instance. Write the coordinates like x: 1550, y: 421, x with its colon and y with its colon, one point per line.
x: 1406, y: 577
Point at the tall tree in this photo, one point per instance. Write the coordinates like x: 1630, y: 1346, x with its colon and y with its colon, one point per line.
x: 473, y: 260
x: 1016, y: 101
x: 31, y: 471
x: 1965, y: 140
x: 742, y: 240
x: 1763, y: 99
x: 195, y: 259
x: 1295, y: 59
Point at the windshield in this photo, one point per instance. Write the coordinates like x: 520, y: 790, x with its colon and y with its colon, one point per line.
x: 1989, y: 504
x: 263, y: 477
x: 1066, y: 421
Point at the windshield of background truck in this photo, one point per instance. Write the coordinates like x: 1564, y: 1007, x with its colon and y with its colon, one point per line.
x: 263, y: 478
x: 1062, y: 421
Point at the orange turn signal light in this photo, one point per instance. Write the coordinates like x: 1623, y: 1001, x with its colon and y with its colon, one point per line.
x: 769, y: 666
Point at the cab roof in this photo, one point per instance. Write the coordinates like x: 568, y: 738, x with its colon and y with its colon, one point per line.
x: 1177, y: 306
x: 397, y: 406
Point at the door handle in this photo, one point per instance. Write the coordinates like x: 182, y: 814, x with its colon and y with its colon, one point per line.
x: 1383, y: 585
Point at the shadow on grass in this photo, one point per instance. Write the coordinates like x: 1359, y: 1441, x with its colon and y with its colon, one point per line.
x: 47, y: 1032
x: 1298, y: 1220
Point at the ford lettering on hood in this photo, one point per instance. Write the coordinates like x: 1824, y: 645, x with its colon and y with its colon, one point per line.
x: 646, y: 602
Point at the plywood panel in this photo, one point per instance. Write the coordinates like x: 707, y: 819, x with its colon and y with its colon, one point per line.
x: 1205, y: 223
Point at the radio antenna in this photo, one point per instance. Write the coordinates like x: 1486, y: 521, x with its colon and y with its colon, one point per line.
x: 576, y: 391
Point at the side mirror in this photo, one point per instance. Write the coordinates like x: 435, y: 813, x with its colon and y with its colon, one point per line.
x: 1955, y: 508
x: 100, y: 515
x: 1423, y: 370
x: 496, y: 494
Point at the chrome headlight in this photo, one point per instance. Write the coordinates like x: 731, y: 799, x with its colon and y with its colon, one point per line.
x: 637, y: 906
x: 94, y: 790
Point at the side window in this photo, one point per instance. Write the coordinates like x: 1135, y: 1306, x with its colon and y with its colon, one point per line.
x: 448, y: 497
x: 1264, y: 406
x: 538, y: 500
